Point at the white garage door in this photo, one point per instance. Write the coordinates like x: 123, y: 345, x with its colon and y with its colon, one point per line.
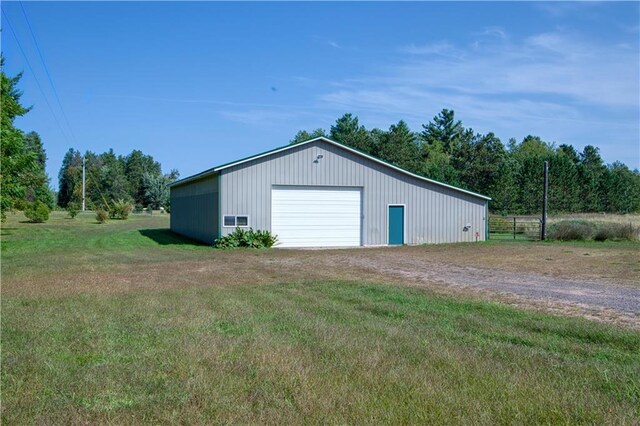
x: 315, y: 217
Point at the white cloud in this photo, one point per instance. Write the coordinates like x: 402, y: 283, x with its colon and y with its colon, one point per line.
x: 549, y: 63
x: 545, y: 65
x: 494, y: 31
x: 554, y: 84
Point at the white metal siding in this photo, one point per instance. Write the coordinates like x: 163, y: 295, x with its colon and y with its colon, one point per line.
x: 316, y: 217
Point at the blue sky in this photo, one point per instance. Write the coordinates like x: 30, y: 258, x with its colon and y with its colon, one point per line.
x: 199, y: 84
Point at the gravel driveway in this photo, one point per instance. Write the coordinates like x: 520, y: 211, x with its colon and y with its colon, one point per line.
x: 594, y: 294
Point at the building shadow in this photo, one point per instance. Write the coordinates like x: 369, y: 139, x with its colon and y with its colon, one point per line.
x: 166, y: 237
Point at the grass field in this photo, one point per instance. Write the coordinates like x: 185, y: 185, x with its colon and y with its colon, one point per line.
x: 625, y: 219
x: 528, y: 227
x: 93, y: 333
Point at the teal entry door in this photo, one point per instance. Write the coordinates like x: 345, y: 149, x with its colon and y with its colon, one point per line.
x: 396, y: 225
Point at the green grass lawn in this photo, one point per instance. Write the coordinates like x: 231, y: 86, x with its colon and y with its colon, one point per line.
x: 293, y: 352
x: 81, y: 243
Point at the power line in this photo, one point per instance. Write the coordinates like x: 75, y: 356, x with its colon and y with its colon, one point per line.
x: 15, y: 36
x: 46, y: 69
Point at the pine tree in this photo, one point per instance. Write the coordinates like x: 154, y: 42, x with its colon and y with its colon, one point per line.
x: 437, y: 164
x: 348, y: 131
x: 136, y: 165
x: 564, y: 190
x: 70, y: 178
x: 445, y: 129
x: 621, y: 189
x: 591, y: 169
x: 303, y: 136
x: 505, y: 196
x: 38, y: 189
x: 479, y: 161
x: 21, y: 173
x: 398, y: 146
x: 112, y: 180
x: 531, y: 154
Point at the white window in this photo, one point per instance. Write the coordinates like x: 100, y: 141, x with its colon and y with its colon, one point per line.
x: 236, y: 221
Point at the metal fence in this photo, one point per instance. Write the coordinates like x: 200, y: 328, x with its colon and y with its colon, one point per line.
x: 514, y: 228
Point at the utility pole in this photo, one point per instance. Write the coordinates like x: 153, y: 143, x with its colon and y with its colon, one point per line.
x: 83, y: 183
x: 543, y: 231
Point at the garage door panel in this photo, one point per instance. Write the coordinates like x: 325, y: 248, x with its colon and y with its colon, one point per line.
x: 316, y: 217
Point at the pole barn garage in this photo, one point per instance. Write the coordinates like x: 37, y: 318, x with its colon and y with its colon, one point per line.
x: 320, y: 193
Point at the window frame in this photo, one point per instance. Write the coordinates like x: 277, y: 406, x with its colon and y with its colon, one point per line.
x: 235, y: 220
x: 245, y: 216
x: 224, y: 221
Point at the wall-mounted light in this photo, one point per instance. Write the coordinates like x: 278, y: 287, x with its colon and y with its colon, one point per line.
x: 318, y: 158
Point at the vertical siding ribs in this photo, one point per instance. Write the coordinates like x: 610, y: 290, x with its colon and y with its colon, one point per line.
x: 434, y: 214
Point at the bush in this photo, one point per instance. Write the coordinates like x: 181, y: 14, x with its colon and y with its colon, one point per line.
x: 579, y: 230
x: 138, y: 208
x: 119, y: 209
x: 102, y: 215
x: 616, y: 231
x: 37, y: 212
x: 247, y: 238
x: 265, y: 238
x: 21, y: 204
x: 73, y: 209
x: 603, y: 233
x: 571, y: 230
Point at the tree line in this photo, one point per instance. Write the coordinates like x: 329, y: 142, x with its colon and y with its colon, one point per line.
x: 135, y: 178
x: 511, y: 174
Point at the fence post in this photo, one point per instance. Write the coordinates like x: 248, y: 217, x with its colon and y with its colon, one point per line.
x: 543, y: 231
x: 487, y: 231
x: 514, y: 227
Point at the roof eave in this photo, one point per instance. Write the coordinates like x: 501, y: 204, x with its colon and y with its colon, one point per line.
x: 198, y: 176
